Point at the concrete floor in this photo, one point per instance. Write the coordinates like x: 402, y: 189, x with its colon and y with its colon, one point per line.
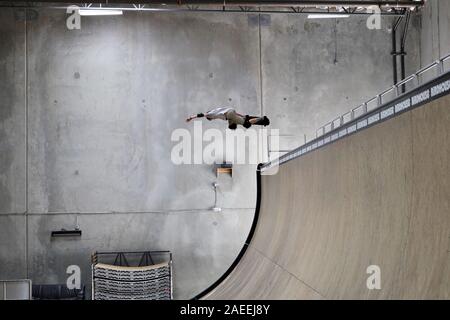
x: 86, y: 118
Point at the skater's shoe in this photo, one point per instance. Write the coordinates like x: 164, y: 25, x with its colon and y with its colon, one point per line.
x: 264, y: 121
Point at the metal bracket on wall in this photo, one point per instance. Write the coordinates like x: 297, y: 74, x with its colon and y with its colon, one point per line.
x: 66, y: 233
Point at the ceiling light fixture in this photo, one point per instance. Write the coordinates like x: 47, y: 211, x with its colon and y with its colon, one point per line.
x: 100, y: 12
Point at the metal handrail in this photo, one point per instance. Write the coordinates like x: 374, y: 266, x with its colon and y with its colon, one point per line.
x: 426, y: 92
x: 440, y: 64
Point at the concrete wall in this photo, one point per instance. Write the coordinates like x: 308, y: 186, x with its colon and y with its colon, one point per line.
x: 100, y: 106
x: 435, y: 31
x: 86, y: 118
x: 12, y: 114
x: 203, y: 243
x: 104, y: 101
x: 316, y: 70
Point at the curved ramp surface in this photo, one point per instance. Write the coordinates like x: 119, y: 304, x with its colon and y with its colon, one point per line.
x: 378, y: 197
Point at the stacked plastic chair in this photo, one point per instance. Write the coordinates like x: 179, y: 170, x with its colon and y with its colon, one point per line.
x: 118, y: 282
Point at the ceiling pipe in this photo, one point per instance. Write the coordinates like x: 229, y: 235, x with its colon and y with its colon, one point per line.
x: 402, y: 50
x: 354, y: 8
x: 394, y: 49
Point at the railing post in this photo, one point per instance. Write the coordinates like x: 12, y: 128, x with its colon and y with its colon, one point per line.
x: 440, y: 68
x: 417, y: 76
x: 365, y: 108
x: 395, y: 88
x: 317, y: 133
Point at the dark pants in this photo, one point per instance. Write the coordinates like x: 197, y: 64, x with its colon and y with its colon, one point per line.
x: 262, y: 121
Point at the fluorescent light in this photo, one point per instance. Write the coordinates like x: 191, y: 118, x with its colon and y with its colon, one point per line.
x: 327, y: 16
x: 100, y: 12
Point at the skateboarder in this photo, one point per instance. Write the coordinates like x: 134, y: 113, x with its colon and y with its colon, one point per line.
x: 233, y: 118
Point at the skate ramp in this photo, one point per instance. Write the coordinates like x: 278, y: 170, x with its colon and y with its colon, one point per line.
x: 380, y: 196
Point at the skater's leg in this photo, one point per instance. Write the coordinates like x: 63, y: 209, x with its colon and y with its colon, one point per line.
x: 254, y: 120
x: 262, y: 121
x: 247, y: 124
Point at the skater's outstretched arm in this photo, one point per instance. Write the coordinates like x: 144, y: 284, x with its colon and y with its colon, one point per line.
x: 198, y: 115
